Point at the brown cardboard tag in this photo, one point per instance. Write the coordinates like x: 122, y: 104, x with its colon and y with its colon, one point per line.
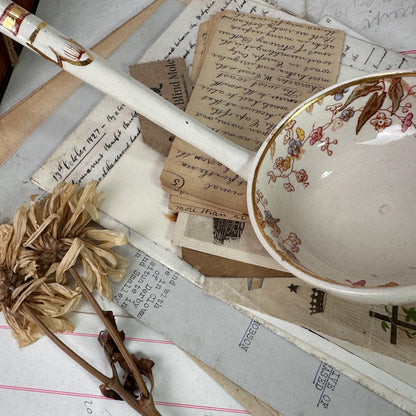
x: 170, y: 79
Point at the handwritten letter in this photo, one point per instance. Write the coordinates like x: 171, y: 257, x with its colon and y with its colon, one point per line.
x: 88, y: 153
x: 179, y: 40
x: 257, y: 70
x: 93, y: 148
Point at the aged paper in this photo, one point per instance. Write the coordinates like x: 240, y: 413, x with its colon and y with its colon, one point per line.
x: 256, y: 71
x: 217, y: 266
x: 179, y: 39
x: 182, y: 202
x: 234, y: 240
x: 179, y: 204
x: 94, y: 148
x: 200, y: 51
x: 357, y: 53
x: 389, y: 330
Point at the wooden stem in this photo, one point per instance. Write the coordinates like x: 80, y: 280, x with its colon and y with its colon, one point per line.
x: 113, y: 333
x: 112, y: 383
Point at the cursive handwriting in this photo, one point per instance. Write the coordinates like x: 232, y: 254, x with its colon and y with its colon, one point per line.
x: 100, y: 149
x: 181, y: 44
x: 263, y: 68
x: 256, y: 70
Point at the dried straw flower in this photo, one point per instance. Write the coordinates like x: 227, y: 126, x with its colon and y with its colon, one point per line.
x: 38, y: 248
x: 40, y: 245
x: 58, y: 234
x: 20, y: 284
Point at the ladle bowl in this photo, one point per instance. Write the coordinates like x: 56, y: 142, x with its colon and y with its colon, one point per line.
x: 332, y: 191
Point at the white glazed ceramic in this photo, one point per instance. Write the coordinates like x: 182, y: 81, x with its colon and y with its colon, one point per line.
x: 332, y: 191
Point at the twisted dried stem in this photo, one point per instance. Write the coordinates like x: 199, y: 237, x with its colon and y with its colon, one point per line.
x: 112, y: 383
x: 113, y: 333
x: 38, y: 248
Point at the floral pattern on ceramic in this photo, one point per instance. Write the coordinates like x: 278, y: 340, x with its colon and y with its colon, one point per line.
x: 378, y: 110
x: 291, y: 243
x: 371, y: 107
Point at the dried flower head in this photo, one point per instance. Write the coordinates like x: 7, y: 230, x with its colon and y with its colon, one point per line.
x: 58, y: 233
x: 20, y: 284
x: 44, y: 243
x: 40, y: 245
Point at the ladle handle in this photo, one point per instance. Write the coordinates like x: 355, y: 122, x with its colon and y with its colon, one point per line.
x: 30, y: 31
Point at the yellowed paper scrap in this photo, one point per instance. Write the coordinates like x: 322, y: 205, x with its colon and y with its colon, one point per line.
x: 184, y: 199
x: 200, y: 51
x: 389, y: 330
x: 178, y: 204
x: 257, y: 70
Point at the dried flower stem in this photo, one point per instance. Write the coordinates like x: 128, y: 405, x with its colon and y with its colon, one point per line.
x: 112, y: 383
x: 37, y: 248
x: 92, y: 370
x: 113, y: 333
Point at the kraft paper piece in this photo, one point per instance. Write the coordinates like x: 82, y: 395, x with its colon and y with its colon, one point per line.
x: 216, y: 266
x: 183, y: 202
x: 256, y: 71
x: 179, y: 197
x: 21, y: 120
x: 170, y: 79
